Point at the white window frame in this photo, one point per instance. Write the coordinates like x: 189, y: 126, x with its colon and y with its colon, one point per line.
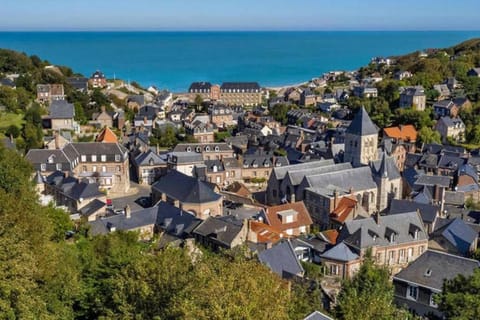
x: 103, y: 158
x: 412, y: 289
x: 43, y: 167
x: 94, y: 158
x: 83, y: 158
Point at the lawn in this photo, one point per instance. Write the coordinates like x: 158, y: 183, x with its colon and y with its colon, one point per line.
x: 7, y: 119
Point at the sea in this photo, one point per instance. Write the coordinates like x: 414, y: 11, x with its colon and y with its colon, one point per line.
x: 172, y: 60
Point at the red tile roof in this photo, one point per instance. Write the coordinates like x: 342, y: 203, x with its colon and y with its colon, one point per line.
x: 330, y: 235
x: 274, y: 219
x: 106, y: 135
x: 266, y: 233
x: 405, y: 132
x: 344, y: 207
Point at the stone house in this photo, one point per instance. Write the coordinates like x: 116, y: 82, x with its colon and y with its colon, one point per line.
x: 240, y: 93
x: 208, y: 151
x: 61, y: 115
x: 290, y: 218
x: 150, y: 167
x: 413, y: 97
x: 451, y: 128
x: 97, y: 80
x: 221, y: 232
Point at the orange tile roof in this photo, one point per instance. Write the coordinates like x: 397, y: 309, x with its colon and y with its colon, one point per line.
x: 344, y: 207
x: 106, y: 135
x: 330, y: 235
x: 273, y: 219
x: 239, y: 188
x: 405, y: 132
x: 266, y: 233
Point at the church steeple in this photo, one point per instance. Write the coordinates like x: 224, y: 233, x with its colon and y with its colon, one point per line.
x: 361, y: 140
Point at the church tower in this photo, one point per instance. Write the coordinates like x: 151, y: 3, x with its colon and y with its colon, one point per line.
x: 361, y: 140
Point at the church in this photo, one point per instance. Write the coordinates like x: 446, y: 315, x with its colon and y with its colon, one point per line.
x: 368, y: 177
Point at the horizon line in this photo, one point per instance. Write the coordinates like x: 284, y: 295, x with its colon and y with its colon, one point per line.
x: 236, y: 30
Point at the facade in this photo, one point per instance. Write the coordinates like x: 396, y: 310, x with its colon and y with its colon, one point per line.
x: 340, y: 261
x: 150, y: 167
x: 221, y: 116
x: 103, y: 163
x: 445, y: 108
x: 202, y: 89
x: 221, y: 232
x: 240, y: 93
x: 413, y: 97
x: 61, y: 115
x: 361, y: 140
x: 208, y: 151
x: 98, y: 80
x: 453, y: 128
x: 47, y: 93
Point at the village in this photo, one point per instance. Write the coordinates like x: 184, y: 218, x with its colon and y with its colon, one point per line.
x: 295, y: 174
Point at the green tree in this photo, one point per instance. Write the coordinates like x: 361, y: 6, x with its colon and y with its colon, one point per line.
x: 279, y: 112
x: 459, y: 297
x: 428, y: 135
x: 368, y: 295
x: 13, y: 131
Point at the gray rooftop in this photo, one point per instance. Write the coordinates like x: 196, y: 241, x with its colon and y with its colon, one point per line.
x: 341, y: 252
x: 433, y: 267
x: 427, y: 211
x: 282, y: 260
x: 364, y: 233
x: 220, y: 229
x: 362, y: 124
x: 459, y: 234
x: 280, y: 172
x: 61, y: 109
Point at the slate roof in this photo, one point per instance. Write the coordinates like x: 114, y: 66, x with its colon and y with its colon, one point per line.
x: 169, y: 218
x: 92, y: 207
x: 240, y: 86
x: 459, y: 234
x: 200, y: 87
x: 428, y: 180
x: 282, y: 260
x: 427, y: 211
x: 79, y: 83
x: 452, y: 122
x: 280, y: 172
x: 317, y: 315
x: 386, y: 167
x: 433, y: 267
x: 183, y: 188
x: 144, y: 159
x: 202, y: 147
x: 362, y: 124
x: 61, y: 109
x: 222, y: 230
x: 341, y: 252
x: 296, y: 176
x: 364, y: 233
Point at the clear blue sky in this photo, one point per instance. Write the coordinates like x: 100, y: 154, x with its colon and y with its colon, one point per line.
x: 240, y: 15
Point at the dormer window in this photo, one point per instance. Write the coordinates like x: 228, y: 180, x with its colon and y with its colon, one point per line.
x: 51, y: 159
x: 392, y: 238
x: 94, y: 158
x: 217, y: 148
x: 103, y: 158
x: 117, y: 158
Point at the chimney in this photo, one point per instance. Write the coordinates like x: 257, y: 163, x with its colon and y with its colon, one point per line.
x: 292, y: 197
x: 57, y: 140
x: 335, y: 198
x: 145, y: 120
x: 376, y: 216
x: 128, y: 212
x: 350, y: 190
x: 103, y: 108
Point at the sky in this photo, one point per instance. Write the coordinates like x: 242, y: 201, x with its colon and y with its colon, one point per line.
x: 201, y: 15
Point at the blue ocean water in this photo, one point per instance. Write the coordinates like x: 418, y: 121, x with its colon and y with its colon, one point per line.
x: 173, y: 60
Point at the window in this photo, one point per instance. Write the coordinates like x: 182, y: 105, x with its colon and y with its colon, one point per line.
x: 104, y: 169
x: 289, y: 232
x: 391, y: 256
x: 84, y: 168
x: 432, y: 300
x: 83, y: 158
x: 59, y: 166
x: 420, y: 250
x: 412, y: 292
x: 333, y: 269
x: 119, y: 168
x: 43, y: 167
x: 410, y: 253
x: 117, y: 158
x: 94, y: 158
x: 401, y: 255
x: 94, y: 168
x: 103, y: 158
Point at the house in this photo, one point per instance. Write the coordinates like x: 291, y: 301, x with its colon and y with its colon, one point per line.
x: 340, y: 261
x: 97, y: 80
x: 72, y: 193
x: 398, y: 142
x: 100, y: 162
x: 400, y: 75
x: 413, y: 97
x: 258, y: 164
x: 394, y: 240
x: 184, y: 162
x: 104, y: 118
x: 453, y: 128
x: 162, y: 217
x: 415, y: 286
x: 135, y: 101
x: 201, y: 132
x: 50, y: 92
x: 454, y: 236
x: 262, y: 233
x: 201, y: 89
x: 149, y: 166
x: 78, y: 83
x: 6, y: 82
x: 365, y: 92
x: 474, y: 72
x: 308, y: 98
x: 58, y: 140
x: 443, y: 91
x: 221, y: 232
x: 282, y: 260
x: 240, y: 93
x: 444, y: 108
x: 189, y: 194
x: 290, y: 218
x: 61, y: 115
x: 221, y: 116
x: 345, y: 209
